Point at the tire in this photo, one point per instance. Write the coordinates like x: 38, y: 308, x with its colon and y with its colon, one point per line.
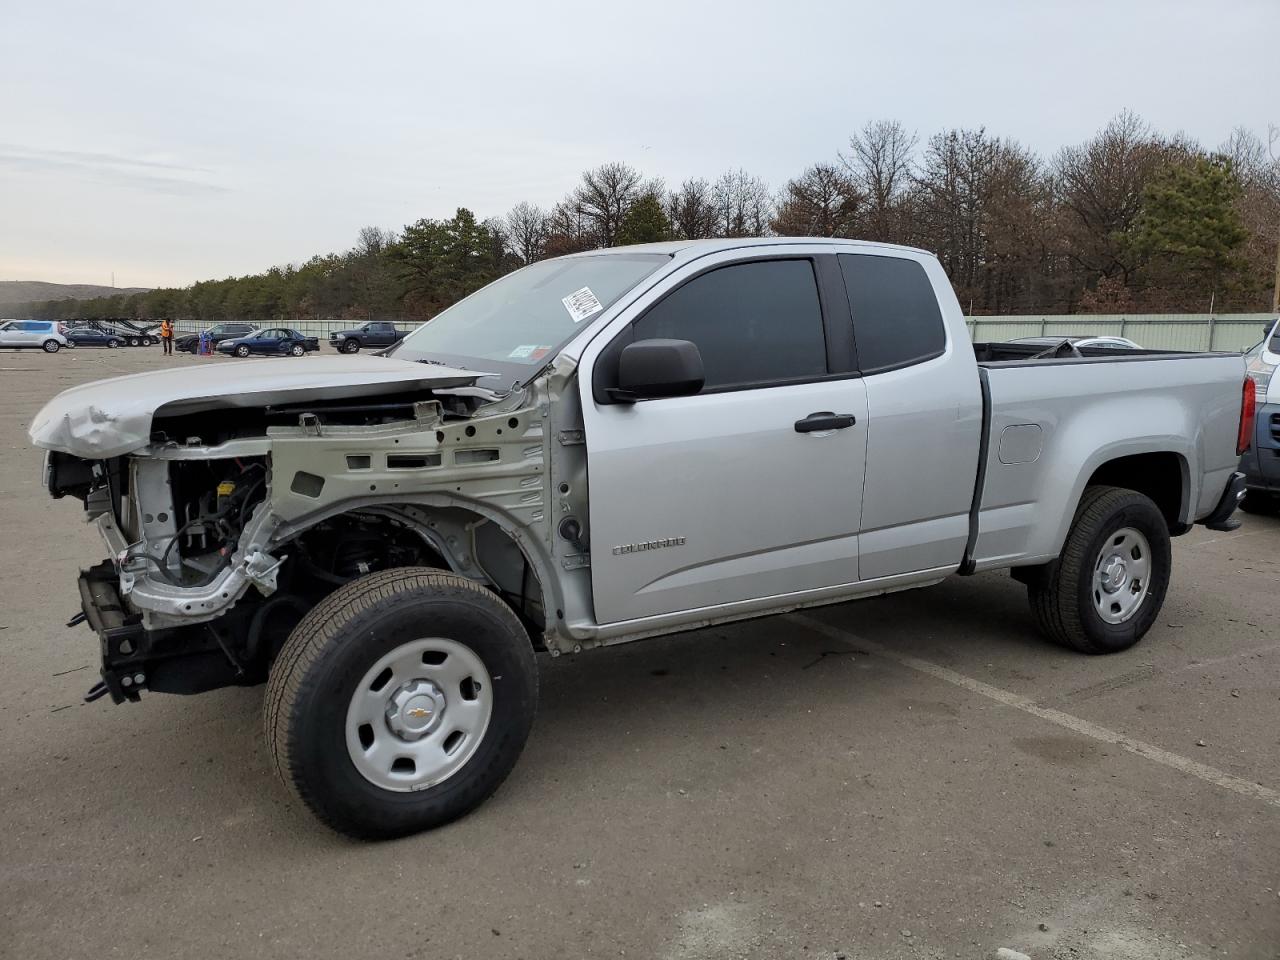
x: 51, y: 346
x: 1259, y: 502
x: 134, y: 342
x: 350, y: 346
x: 325, y: 668
x: 242, y: 351
x: 1068, y: 601
x: 297, y: 350
x: 113, y: 344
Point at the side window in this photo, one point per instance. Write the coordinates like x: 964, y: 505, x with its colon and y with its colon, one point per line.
x: 896, y: 319
x: 754, y: 323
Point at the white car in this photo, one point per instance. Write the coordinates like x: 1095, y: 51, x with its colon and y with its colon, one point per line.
x: 46, y: 335
x: 1105, y: 343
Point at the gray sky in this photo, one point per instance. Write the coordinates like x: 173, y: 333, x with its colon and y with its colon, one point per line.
x: 173, y: 142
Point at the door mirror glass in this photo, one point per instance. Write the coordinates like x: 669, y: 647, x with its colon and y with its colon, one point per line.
x: 649, y: 369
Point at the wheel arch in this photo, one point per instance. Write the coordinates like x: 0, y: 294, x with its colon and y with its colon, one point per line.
x: 1163, y: 476
x: 455, y: 527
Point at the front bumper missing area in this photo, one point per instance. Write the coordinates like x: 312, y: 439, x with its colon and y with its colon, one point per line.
x: 187, y: 659
x: 121, y: 634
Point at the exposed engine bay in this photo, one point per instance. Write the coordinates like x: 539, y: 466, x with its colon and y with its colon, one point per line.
x: 228, y: 526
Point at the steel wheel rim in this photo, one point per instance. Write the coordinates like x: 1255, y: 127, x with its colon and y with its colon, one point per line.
x: 51, y: 347
x: 297, y: 351
x: 419, y: 714
x: 1121, y: 575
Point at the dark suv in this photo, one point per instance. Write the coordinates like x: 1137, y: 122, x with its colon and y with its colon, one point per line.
x: 376, y: 333
x: 217, y: 333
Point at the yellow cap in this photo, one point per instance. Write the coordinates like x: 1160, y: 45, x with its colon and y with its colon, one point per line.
x: 226, y: 488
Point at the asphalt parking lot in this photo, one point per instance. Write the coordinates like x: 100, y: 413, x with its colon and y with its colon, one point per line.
x: 914, y: 776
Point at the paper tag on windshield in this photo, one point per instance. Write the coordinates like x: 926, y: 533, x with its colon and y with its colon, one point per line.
x: 582, y: 304
x: 522, y: 352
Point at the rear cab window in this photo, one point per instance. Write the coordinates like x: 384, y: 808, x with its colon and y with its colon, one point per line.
x: 896, y: 318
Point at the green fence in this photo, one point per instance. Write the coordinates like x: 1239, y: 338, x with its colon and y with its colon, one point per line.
x: 1231, y: 332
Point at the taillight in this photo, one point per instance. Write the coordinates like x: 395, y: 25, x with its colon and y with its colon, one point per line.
x: 1248, y: 411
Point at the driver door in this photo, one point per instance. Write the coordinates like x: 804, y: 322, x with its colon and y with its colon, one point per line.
x: 699, y: 502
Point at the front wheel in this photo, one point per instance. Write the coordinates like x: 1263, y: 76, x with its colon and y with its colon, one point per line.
x: 51, y: 346
x: 113, y: 344
x: 351, y: 346
x: 1105, y: 590
x: 242, y: 351
x: 401, y: 702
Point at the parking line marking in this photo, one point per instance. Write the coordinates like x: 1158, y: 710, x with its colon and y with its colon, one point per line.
x: 1228, y: 537
x: 1245, y: 788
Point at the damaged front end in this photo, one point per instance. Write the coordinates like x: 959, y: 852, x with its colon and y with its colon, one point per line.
x: 230, y: 513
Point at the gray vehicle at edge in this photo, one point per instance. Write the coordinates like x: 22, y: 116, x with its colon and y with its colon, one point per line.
x: 1261, y: 462
x: 609, y: 446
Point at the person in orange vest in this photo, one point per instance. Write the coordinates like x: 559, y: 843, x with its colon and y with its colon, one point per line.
x: 166, y: 334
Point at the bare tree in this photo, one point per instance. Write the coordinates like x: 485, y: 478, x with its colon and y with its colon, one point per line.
x: 1099, y: 189
x: 567, y: 229
x: 525, y: 227
x: 743, y: 205
x: 880, y: 162
x: 372, y: 241
x: 822, y: 202
x: 1259, y: 208
x: 691, y: 212
x: 605, y: 195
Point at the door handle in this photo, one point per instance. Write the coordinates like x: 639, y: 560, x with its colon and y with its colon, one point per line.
x: 825, y: 420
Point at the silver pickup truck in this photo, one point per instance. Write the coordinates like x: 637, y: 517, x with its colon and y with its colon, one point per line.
x: 608, y: 446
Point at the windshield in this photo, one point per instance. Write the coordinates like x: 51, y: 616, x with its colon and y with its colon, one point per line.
x: 515, y: 324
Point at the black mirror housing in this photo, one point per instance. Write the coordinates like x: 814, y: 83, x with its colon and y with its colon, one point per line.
x: 648, y: 369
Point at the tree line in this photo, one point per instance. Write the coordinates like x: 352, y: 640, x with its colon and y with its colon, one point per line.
x: 1131, y: 220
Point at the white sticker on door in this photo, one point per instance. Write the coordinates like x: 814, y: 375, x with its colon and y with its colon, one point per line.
x: 582, y: 304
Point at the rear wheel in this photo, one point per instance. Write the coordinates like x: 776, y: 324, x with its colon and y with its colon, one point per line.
x: 1106, y: 588
x: 401, y: 702
x: 351, y: 346
x: 297, y: 350
x: 135, y: 342
x: 113, y: 344
x: 51, y: 346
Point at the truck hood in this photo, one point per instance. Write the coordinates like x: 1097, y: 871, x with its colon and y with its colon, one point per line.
x: 113, y: 417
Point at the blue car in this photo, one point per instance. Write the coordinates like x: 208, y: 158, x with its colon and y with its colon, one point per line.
x: 271, y: 342
x: 91, y: 337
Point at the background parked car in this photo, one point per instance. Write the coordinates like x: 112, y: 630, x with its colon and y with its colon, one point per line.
x: 273, y: 341
x: 1106, y: 343
x: 190, y: 342
x: 1261, y: 462
x: 92, y: 337
x: 376, y: 333
x: 43, y: 335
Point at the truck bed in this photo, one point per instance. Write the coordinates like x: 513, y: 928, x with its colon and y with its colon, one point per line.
x: 1052, y: 421
x: 989, y: 354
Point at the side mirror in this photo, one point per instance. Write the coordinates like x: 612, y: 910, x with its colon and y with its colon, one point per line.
x: 648, y: 369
